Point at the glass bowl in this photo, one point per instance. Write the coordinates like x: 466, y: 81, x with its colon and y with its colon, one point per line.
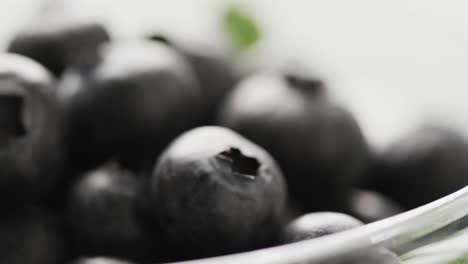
x: 431, y: 234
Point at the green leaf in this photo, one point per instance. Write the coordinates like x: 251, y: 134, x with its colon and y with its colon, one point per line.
x: 460, y: 261
x: 241, y: 28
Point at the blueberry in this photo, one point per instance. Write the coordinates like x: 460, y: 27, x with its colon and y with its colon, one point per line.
x: 102, y: 214
x: 429, y: 162
x: 370, y: 206
x: 30, y: 236
x: 56, y: 42
x: 30, y: 139
x: 318, y: 144
x: 216, y: 76
x: 214, y: 192
x: 100, y: 260
x: 129, y: 105
x: 314, y: 225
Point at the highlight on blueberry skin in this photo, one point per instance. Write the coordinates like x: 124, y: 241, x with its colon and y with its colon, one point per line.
x: 100, y: 260
x: 31, y: 155
x: 102, y: 215
x: 130, y: 105
x: 214, y: 192
x: 370, y: 206
x: 317, y: 143
x: 314, y: 225
x: 57, y: 41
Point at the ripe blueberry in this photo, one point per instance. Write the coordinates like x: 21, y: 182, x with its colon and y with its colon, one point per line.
x: 425, y: 165
x: 315, y: 225
x: 102, y: 214
x: 129, y: 105
x: 30, y: 139
x: 56, y: 42
x: 214, y: 192
x: 318, y: 144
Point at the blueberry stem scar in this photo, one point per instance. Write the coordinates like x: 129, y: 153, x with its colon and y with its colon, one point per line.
x: 242, y: 165
x: 11, y: 124
x: 304, y: 84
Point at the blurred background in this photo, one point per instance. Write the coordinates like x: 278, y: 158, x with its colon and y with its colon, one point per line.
x: 393, y: 63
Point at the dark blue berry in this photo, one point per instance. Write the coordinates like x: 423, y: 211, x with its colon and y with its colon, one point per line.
x: 214, y: 192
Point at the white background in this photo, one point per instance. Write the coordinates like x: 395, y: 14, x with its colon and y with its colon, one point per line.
x: 393, y: 63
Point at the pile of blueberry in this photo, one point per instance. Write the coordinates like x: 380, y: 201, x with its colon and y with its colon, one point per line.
x: 145, y: 152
